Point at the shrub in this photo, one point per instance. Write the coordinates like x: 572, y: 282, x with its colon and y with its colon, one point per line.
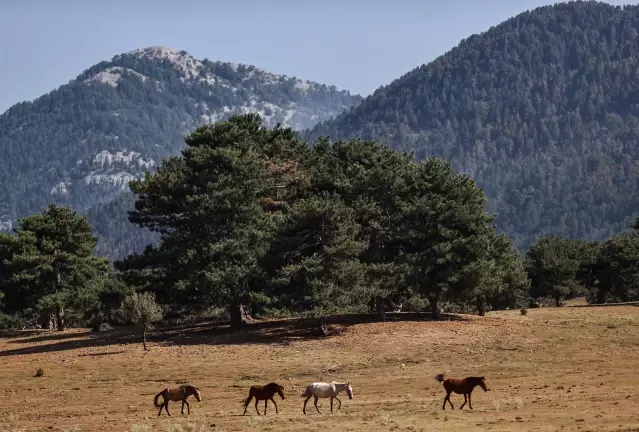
x: 142, y: 310
x: 11, y: 322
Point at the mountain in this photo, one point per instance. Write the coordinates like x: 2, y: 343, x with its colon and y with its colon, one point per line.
x: 82, y: 143
x: 541, y: 110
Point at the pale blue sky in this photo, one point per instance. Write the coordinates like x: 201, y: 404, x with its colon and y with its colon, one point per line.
x: 354, y: 44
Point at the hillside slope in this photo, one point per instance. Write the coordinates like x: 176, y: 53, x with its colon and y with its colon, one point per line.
x: 542, y: 110
x: 82, y: 143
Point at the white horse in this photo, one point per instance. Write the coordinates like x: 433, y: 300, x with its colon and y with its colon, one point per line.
x: 324, y: 390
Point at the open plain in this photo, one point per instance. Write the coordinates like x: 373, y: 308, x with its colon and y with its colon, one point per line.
x: 551, y: 369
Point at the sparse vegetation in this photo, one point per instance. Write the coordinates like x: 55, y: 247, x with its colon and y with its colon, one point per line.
x: 523, y: 359
x: 142, y: 310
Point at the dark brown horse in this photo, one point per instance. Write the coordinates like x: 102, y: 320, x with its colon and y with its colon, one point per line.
x: 176, y: 394
x: 463, y: 386
x: 265, y: 393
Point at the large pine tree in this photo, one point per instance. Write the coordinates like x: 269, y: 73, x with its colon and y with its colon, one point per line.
x: 49, y: 264
x: 214, y: 209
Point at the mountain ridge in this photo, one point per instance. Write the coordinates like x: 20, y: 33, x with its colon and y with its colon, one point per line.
x: 541, y: 110
x: 81, y: 143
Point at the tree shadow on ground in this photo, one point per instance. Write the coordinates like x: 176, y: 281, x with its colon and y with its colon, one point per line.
x: 275, y: 332
x: 10, y: 334
x: 49, y: 336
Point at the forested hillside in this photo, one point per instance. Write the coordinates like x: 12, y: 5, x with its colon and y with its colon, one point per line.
x: 542, y: 111
x: 82, y: 143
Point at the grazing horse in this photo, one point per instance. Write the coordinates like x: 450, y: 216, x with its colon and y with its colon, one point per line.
x: 176, y: 394
x: 265, y: 393
x: 324, y: 390
x: 463, y: 386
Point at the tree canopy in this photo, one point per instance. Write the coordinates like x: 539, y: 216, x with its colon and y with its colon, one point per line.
x: 49, y: 266
x: 253, y: 216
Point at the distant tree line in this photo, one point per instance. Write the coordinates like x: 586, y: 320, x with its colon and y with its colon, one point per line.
x: 254, y: 219
x: 561, y: 268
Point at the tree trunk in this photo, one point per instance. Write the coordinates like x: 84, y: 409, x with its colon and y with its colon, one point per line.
x: 48, y: 321
x: 557, y: 301
x: 144, y: 340
x: 434, y: 305
x: 380, y: 308
x: 601, y: 296
x: 236, y: 313
x: 321, y: 328
x: 246, y: 317
x: 480, y: 305
x: 60, y: 319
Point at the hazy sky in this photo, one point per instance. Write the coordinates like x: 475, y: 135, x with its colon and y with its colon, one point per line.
x: 354, y: 44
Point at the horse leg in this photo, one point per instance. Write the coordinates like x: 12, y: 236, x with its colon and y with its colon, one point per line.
x: 188, y: 407
x: 465, y: 400
x: 161, y: 408
x: 447, y: 398
x: 316, y: 407
x: 265, y: 403
x: 304, y: 410
x: 273, y: 400
x: 166, y: 407
x: 256, y: 401
x: 331, y: 403
x: 470, y: 405
x: 340, y: 402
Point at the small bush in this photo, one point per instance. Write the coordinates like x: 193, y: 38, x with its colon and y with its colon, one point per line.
x: 95, y: 322
x: 142, y: 310
x: 415, y: 303
x: 11, y: 322
x: 39, y: 373
x: 523, y: 311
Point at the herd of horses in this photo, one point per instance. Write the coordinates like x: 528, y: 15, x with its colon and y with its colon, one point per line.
x: 317, y: 390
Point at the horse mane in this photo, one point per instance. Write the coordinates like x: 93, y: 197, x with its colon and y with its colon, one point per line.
x: 440, y: 377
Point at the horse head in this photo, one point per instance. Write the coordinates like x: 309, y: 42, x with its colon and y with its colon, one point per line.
x: 482, y: 383
x: 349, y: 390
x: 280, y: 390
x: 196, y: 393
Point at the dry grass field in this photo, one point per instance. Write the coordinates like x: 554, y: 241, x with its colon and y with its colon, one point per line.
x: 552, y: 369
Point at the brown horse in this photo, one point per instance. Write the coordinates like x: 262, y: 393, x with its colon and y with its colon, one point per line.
x: 176, y: 394
x: 463, y: 386
x: 265, y: 393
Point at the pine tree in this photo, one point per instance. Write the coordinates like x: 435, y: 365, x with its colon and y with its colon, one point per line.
x: 50, y: 263
x: 314, y: 259
x: 440, y: 221
x: 213, y: 208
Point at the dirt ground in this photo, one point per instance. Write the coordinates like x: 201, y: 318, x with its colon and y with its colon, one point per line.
x: 552, y: 369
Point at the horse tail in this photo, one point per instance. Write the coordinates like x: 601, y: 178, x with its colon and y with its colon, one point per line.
x: 248, y: 399
x: 155, y: 401
x: 440, y: 377
x: 306, y: 392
